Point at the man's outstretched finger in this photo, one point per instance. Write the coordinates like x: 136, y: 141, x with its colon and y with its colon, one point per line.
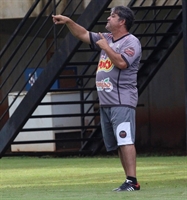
x: 101, y: 35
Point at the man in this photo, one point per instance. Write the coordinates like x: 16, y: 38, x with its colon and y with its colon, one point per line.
x: 116, y: 81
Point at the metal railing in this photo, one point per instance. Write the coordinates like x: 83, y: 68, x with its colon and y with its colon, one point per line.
x: 32, y: 41
x: 158, y: 25
x: 36, y: 39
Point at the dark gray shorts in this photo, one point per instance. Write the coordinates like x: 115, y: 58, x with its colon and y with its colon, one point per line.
x: 118, y: 126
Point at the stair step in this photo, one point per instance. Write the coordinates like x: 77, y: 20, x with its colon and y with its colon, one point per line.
x: 155, y: 34
x: 163, y: 21
x: 156, y: 7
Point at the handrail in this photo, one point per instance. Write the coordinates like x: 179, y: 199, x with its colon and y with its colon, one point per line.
x: 13, y: 54
x: 17, y: 30
x: 27, y: 48
x: 12, y: 65
x: 86, y: 73
x: 25, y: 36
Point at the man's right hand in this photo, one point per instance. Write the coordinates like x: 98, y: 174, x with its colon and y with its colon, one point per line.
x: 78, y: 31
x: 60, y: 19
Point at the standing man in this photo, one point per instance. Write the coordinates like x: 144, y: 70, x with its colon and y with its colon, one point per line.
x: 116, y: 81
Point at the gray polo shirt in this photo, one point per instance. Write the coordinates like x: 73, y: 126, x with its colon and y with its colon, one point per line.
x: 117, y: 87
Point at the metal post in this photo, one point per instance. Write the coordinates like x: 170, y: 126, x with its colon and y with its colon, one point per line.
x: 184, y: 7
x: 55, y: 32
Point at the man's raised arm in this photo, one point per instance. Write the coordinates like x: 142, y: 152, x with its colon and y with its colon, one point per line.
x: 78, y: 31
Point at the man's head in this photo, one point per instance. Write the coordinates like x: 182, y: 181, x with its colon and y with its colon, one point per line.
x: 126, y: 14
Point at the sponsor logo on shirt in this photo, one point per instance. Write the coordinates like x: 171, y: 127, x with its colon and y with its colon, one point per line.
x: 104, y: 85
x: 129, y: 51
x: 105, y: 65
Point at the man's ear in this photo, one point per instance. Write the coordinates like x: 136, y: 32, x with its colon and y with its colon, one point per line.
x: 122, y: 22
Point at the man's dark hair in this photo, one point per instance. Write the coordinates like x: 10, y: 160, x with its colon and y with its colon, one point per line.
x: 124, y: 13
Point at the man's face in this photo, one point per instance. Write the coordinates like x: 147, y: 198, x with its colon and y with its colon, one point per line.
x: 113, y: 22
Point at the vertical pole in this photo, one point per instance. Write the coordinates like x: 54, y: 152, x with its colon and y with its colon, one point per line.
x: 55, y: 32
x: 82, y: 112
x: 184, y: 7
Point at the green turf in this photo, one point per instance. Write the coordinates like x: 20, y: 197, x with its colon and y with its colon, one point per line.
x: 31, y: 178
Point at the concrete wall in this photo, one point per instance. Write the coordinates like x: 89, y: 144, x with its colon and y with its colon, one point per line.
x: 161, y: 121
x: 18, y: 8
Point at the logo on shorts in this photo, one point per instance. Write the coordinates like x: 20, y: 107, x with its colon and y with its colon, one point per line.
x: 122, y: 134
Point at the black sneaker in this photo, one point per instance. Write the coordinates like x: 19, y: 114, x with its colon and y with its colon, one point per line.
x: 127, y: 186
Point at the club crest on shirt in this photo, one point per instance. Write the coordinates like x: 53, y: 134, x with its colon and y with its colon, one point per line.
x: 104, y: 85
x: 129, y: 51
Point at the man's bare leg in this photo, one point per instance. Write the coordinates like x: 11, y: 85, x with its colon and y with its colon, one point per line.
x: 127, y: 154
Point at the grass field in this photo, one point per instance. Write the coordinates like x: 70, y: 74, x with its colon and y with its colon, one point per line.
x: 31, y: 178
